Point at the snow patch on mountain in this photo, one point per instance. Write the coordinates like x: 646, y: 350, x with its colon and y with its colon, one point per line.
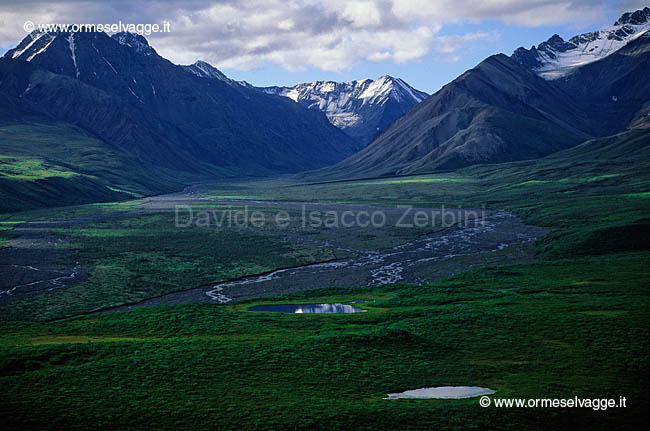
x: 72, y: 52
x: 104, y: 58
x: 342, y: 102
x: 556, y: 57
x: 41, y: 50
x: 18, y: 51
x: 34, y: 44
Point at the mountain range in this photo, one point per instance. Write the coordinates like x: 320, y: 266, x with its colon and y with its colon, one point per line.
x: 120, y: 90
x: 185, y: 122
x: 508, y: 108
x: 362, y: 108
x: 556, y: 57
x: 107, y: 118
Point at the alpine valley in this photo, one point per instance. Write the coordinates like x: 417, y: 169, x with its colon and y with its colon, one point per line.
x: 170, y: 124
x: 120, y: 96
x: 182, y: 250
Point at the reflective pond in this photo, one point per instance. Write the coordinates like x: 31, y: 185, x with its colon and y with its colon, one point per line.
x: 443, y: 392
x: 308, y: 308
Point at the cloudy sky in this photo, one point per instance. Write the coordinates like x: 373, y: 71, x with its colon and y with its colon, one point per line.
x: 283, y: 42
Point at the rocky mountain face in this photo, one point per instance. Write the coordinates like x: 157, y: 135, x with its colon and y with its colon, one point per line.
x: 120, y: 90
x: 556, y: 57
x: 362, y: 108
x: 203, y: 69
x: 503, y: 110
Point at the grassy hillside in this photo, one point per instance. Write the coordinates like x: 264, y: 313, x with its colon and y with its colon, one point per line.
x: 52, y: 164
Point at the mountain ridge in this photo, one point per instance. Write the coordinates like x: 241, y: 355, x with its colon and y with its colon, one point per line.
x: 502, y: 110
x: 361, y: 108
x: 556, y: 58
x: 183, y: 120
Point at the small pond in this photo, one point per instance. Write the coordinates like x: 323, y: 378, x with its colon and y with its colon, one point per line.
x: 309, y: 308
x: 443, y: 392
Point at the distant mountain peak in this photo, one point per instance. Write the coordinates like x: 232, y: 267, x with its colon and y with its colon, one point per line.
x: 556, y: 57
x: 361, y: 108
x: 204, y: 69
x: 136, y: 41
x: 638, y: 17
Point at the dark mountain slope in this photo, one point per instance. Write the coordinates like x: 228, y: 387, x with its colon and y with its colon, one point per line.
x: 503, y: 110
x: 168, y: 115
x: 477, y: 118
x: 30, y: 90
x: 614, y: 90
x: 45, y: 163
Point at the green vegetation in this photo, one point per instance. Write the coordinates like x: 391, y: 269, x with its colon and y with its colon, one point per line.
x: 575, y: 323
x: 4, y: 227
x: 30, y: 169
x: 8, y: 225
x: 53, y: 164
x: 429, y: 179
x: 140, y: 257
x: 593, y: 196
x: 62, y: 213
x: 548, y: 330
x: 421, y: 191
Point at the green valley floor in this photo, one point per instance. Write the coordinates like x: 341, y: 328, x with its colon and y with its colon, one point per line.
x: 565, y: 316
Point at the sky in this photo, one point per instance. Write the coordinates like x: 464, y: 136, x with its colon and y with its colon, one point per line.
x: 284, y: 42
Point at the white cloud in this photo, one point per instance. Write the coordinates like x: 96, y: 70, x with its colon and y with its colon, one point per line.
x: 452, y: 44
x: 529, y: 13
x: 295, y: 34
x: 362, y: 13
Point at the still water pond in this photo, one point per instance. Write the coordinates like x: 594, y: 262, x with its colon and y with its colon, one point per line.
x: 443, y: 392
x: 309, y: 308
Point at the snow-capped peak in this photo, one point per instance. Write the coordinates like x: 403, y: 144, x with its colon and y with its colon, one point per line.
x: 73, y: 54
x: 556, y: 57
x: 350, y: 104
x: 334, y: 95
